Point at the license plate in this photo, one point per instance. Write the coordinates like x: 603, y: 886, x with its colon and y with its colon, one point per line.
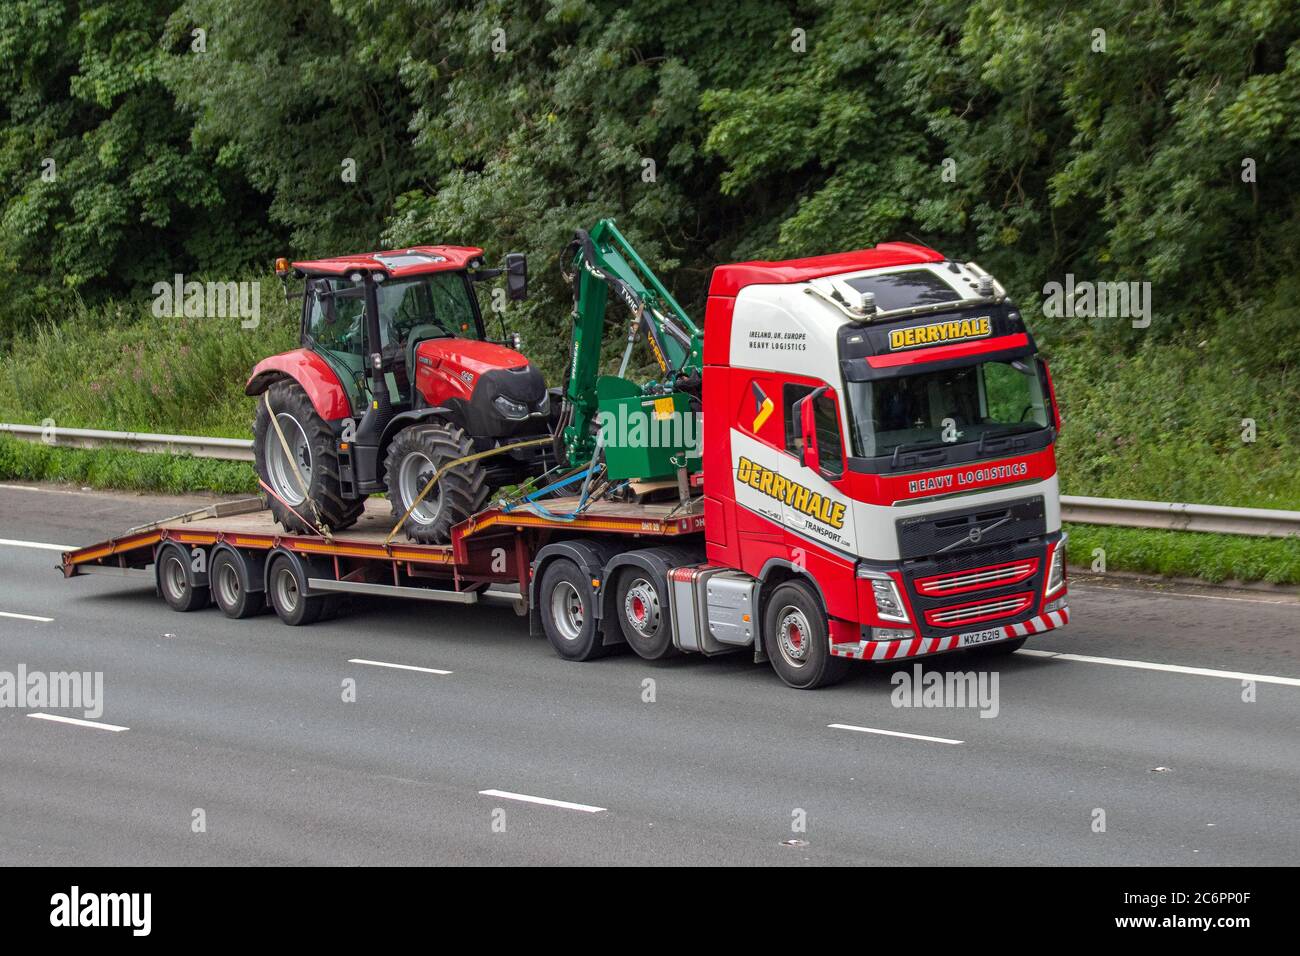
x: 971, y: 638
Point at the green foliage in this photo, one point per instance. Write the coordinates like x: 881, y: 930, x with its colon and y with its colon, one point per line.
x: 1213, y: 557
x: 108, y: 468
x: 101, y: 189
x: 116, y: 366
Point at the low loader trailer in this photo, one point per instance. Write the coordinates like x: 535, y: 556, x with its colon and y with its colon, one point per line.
x: 856, y: 462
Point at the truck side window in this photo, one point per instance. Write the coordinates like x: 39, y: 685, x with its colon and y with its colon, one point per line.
x: 830, y: 448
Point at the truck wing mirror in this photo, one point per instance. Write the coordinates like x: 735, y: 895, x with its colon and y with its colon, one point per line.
x: 805, y: 411
x: 516, y: 276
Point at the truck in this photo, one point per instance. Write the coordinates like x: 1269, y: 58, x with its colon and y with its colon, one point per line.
x: 852, y: 459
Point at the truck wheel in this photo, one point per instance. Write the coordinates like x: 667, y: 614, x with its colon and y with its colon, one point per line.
x: 314, y: 447
x: 999, y: 648
x: 641, y: 602
x: 176, y: 580
x: 797, y: 640
x: 414, y: 456
x: 228, y: 577
x: 287, y: 592
x: 568, y: 606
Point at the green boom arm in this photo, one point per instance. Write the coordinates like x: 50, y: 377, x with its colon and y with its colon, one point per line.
x: 603, y: 260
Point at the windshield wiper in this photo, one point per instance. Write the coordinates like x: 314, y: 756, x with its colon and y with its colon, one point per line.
x: 914, y: 446
x: 1005, y: 434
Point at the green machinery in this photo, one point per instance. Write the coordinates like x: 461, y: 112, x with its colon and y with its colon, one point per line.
x: 651, y: 431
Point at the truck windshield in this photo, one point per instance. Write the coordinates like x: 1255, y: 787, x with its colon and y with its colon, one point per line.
x: 989, y: 400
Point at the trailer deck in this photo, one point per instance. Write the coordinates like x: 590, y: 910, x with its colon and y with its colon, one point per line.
x: 247, y: 524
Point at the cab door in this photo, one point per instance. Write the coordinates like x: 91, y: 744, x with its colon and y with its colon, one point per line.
x: 816, y: 503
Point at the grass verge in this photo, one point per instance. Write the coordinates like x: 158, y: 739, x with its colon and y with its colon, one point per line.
x: 1211, y: 557
x: 128, y: 470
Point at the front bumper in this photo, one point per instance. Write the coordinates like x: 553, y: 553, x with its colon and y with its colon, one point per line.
x: 912, y: 647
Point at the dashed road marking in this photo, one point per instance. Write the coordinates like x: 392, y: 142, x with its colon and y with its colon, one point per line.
x: 894, y: 733
x: 41, y: 545
x: 77, y: 722
x: 544, y: 801
x: 26, y: 617
x: 400, y: 667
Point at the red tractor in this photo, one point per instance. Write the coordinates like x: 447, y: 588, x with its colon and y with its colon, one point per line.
x: 395, y: 380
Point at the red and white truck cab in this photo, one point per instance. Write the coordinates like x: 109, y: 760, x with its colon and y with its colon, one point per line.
x: 878, y: 424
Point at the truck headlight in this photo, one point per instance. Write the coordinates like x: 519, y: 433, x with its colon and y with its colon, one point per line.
x: 889, y: 603
x: 510, y: 408
x: 1056, y: 570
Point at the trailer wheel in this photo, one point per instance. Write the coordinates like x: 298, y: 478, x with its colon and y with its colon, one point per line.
x: 998, y: 648
x: 228, y: 577
x: 176, y: 580
x: 287, y: 592
x: 568, y: 607
x: 797, y: 639
x: 641, y: 601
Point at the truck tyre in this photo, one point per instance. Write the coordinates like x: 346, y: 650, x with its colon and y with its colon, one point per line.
x: 314, y: 447
x: 641, y: 602
x: 176, y: 580
x: 228, y: 578
x: 568, y: 608
x: 797, y: 640
x: 287, y: 591
x: 998, y: 648
x: 414, y: 456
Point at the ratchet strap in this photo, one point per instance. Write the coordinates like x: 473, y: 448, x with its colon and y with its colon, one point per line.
x: 453, y: 464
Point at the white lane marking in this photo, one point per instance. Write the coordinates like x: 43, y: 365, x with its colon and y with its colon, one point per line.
x: 14, y: 543
x: 25, y: 617
x: 1170, y: 668
x: 20, y: 488
x: 59, y: 718
x: 544, y: 801
x: 400, y: 667
x: 894, y: 733
x: 1196, y: 597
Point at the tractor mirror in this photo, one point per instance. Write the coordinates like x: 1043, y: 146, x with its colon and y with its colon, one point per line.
x: 516, y: 276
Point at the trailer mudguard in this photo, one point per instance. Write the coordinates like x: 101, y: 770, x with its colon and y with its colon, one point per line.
x: 304, y: 566
x: 313, y: 373
x: 592, y: 557
x: 251, y: 566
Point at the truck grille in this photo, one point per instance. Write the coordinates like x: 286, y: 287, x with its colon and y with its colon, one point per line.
x: 952, y: 592
x: 976, y: 612
x: 957, y: 531
x: 975, y: 579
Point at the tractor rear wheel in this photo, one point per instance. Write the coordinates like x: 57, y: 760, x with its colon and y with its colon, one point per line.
x: 313, y: 449
x: 415, y: 455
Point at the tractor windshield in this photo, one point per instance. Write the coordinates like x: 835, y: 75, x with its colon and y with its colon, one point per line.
x: 933, y: 409
x: 426, y: 307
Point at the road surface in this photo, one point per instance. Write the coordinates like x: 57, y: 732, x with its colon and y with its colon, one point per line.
x: 241, y: 749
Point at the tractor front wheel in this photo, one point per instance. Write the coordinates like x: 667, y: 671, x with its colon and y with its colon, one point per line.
x: 311, y: 460
x: 415, y: 456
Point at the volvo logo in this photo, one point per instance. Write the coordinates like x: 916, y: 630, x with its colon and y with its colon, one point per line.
x: 975, y: 534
